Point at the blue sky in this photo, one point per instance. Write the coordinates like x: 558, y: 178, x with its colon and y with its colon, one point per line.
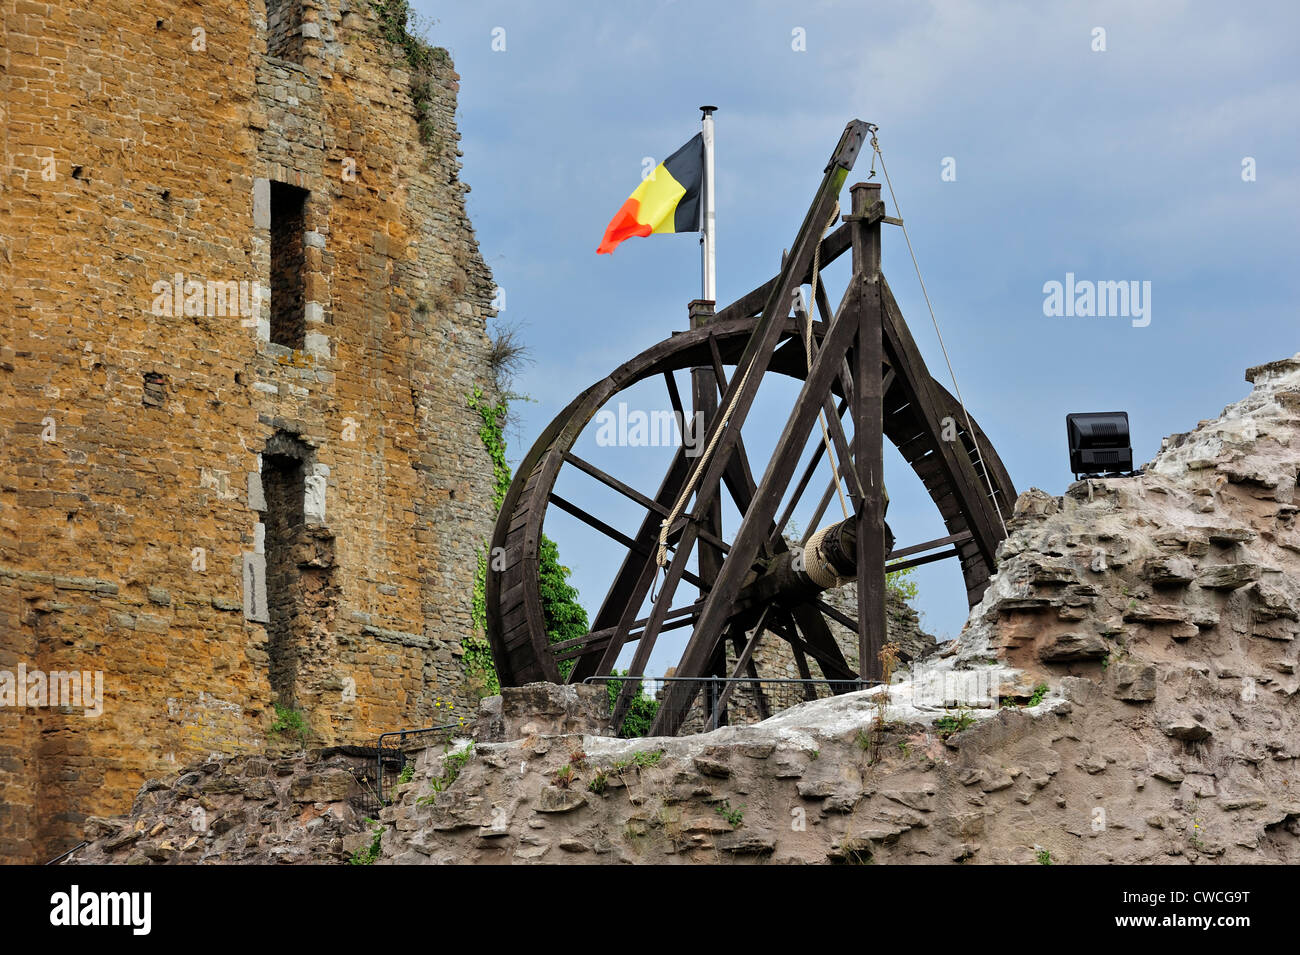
x: 1122, y: 164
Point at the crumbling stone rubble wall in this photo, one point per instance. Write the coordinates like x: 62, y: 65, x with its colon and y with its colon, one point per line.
x: 142, y: 143
x: 1126, y: 692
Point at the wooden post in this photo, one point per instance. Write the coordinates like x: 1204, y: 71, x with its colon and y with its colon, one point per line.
x: 704, y: 405
x: 868, y: 433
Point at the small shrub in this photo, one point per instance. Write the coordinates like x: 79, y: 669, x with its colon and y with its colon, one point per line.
x: 640, y: 715
x: 368, y: 854
x: 1044, y: 857
x: 451, y: 768
x: 735, y: 817
x: 291, y: 723
x: 952, y: 724
x: 599, y: 783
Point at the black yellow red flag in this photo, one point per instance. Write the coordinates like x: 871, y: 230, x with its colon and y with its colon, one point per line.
x: 668, y: 200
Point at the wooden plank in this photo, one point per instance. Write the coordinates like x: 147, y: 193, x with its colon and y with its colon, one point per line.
x: 929, y: 545
x: 704, y: 405
x: 610, y: 481
x: 752, y: 302
x: 918, y: 561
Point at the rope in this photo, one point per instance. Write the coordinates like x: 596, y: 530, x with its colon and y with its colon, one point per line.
x: 817, y: 567
x: 970, y: 429
x: 661, y: 554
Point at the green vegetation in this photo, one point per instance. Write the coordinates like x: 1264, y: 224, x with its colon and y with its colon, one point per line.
x: 599, y: 783
x: 407, y: 773
x: 1044, y: 857
x: 492, y: 434
x: 902, y: 584
x: 565, y: 617
x: 1040, y: 692
x: 953, y: 723
x: 452, y: 765
x: 406, y: 29
x: 367, y: 855
x: 734, y: 817
x: 642, y: 760
x: 640, y: 715
x: 563, y: 776
x: 291, y: 723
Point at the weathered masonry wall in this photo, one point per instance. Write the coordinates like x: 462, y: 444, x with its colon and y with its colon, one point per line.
x: 145, y: 402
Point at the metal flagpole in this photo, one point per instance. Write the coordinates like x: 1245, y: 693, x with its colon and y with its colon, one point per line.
x: 708, y: 254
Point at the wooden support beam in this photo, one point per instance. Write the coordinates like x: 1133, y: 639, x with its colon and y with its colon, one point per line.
x: 704, y: 402
x: 868, y: 435
x: 929, y: 545
x: 918, y: 561
x: 610, y: 481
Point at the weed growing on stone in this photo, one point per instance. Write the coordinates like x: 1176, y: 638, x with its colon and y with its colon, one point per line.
x: 951, y: 723
x: 452, y: 766
x: 735, y: 817
x: 291, y: 724
x: 368, y: 854
x: 402, y: 26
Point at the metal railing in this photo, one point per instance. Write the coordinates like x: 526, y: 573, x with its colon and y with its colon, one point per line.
x: 393, y: 751
x: 59, y: 858
x: 733, y: 701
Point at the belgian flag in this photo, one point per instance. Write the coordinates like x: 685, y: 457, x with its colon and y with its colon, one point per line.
x: 668, y: 200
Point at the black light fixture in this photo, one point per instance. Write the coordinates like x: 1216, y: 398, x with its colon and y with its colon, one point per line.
x: 1099, y: 444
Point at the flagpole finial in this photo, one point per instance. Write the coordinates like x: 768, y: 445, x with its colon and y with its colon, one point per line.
x: 708, y: 110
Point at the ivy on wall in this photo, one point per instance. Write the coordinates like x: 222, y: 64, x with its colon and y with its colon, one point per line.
x: 565, y: 618
x: 403, y: 27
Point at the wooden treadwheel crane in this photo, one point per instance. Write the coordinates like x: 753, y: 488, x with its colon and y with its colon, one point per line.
x: 864, y: 362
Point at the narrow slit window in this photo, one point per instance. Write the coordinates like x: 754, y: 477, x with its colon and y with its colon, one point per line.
x: 288, y: 264
x: 283, y: 484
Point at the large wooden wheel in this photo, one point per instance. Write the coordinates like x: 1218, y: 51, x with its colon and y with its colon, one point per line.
x: 749, y: 579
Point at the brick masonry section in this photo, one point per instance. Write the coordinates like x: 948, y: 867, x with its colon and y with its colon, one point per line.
x: 142, y: 395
